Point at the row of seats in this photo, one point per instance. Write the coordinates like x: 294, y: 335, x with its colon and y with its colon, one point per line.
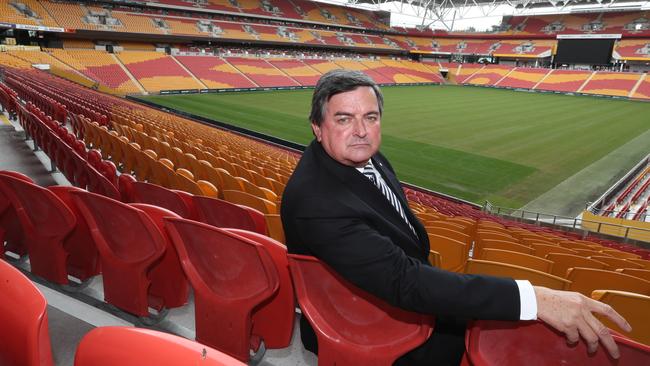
x: 605, y: 22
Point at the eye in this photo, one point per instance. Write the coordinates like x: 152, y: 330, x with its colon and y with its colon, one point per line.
x: 372, y: 118
x: 343, y: 120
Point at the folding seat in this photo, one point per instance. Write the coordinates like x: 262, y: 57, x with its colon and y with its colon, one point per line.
x: 231, y: 276
x: 47, y: 221
x: 98, y: 183
x: 620, y: 254
x: 516, y: 258
x: 274, y: 320
x: 185, y: 182
x: 537, y: 278
x: 220, y: 213
x: 251, y: 188
x: 144, y: 161
x: 140, y: 267
x: 229, y: 182
x: 492, y: 343
x: 586, y: 252
x: 500, y: 244
x: 562, y: 262
x: 11, y: 231
x: 644, y: 262
x: 615, y: 263
x: 163, y: 173
x: 445, y: 231
x: 274, y: 226
x: 247, y: 199
x: 207, y: 189
x: 23, y: 315
x: 633, y: 307
x: 640, y: 273
x: 484, y: 234
x: 163, y: 197
x: 125, y: 186
x: 586, y: 280
x: 129, y: 346
x: 451, y: 225
x: 453, y: 253
x: 352, y: 326
x: 541, y: 250
x: 575, y: 245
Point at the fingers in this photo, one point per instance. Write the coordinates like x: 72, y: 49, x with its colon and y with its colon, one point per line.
x: 608, y: 311
x: 600, y: 332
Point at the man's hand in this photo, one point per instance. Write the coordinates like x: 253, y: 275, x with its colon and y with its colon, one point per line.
x: 571, y: 314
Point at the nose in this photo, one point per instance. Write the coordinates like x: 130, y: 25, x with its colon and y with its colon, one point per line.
x: 360, y: 128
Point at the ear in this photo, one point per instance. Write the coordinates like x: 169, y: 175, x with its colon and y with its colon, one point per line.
x: 316, y: 130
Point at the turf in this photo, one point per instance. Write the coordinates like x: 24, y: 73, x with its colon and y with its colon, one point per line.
x: 474, y: 143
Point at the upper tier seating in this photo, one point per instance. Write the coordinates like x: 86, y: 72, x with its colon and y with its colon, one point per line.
x: 29, y: 12
x: 608, y: 22
x: 632, y: 49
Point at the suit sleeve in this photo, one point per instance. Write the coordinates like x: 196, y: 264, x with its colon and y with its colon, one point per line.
x: 372, y: 262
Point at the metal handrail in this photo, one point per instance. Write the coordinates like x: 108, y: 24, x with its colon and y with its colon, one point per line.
x: 559, y: 220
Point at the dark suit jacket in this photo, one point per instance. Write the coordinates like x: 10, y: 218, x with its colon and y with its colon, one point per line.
x: 333, y: 212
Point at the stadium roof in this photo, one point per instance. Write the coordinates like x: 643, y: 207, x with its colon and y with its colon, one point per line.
x: 445, y: 12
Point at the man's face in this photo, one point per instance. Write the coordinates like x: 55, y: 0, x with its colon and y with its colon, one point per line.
x: 351, y: 129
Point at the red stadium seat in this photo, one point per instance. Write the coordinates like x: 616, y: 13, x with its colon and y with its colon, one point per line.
x: 220, y: 213
x: 231, y: 276
x: 128, y: 346
x: 11, y: 231
x: 24, y: 330
x: 136, y: 257
x: 46, y: 221
x: 352, y: 326
x: 163, y: 197
x: 274, y: 320
x: 535, y: 343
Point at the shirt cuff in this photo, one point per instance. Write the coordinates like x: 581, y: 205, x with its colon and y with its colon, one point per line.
x: 527, y: 301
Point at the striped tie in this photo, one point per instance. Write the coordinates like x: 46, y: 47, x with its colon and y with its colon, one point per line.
x: 372, y: 174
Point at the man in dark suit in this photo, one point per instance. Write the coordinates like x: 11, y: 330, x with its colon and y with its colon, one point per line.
x: 344, y: 205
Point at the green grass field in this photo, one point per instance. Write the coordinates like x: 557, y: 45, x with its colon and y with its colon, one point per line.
x: 474, y: 143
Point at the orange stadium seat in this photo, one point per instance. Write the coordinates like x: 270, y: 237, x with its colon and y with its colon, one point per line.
x: 537, y: 278
x: 562, y: 262
x: 633, y: 307
x: 519, y: 259
x: 586, y: 280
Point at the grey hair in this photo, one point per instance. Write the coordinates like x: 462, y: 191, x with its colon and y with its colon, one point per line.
x: 339, y: 81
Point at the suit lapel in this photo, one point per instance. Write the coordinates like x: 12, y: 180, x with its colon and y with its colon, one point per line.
x: 368, y: 192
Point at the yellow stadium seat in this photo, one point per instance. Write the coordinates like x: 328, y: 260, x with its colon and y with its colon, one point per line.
x: 586, y: 280
x: 640, y: 273
x: 541, y: 250
x: 516, y: 258
x: 274, y: 227
x: 500, y: 244
x: 537, y: 278
x: 247, y: 199
x: 616, y: 263
x: 562, y: 262
x: 633, y: 307
x: 453, y: 253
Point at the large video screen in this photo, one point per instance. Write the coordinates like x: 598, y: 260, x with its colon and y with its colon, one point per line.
x: 584, y: 51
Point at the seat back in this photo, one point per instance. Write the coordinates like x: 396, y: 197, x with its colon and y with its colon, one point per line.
x: 453, y: 253
x: 156, y: 195
x: 242, y: 198
x: 586, y: 280
x: 616, y: 263
x: 633, y: 307
x: 23, y: 315
x: 537, y: 278
x: 492, y: 343
x: 230, y: 275
x: 541, y: 250
x: 11, y: 232
x: 220, y: 213
x: 46, y: 221
x: 501, y: 244
x: 518, y: 259
x: 640, y: 273
x: 129, y: 244
x: 128, y: 346
x: 274, y: 226
x: 274, y: 320
x: 562, y: 262
x: 352, y: 326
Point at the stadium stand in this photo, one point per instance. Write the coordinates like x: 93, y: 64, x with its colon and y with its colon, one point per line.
x: 466, y: 71
x: 632, y: 50
x: 215, y: 72
x: 611, y: 83
x: 523, y: 78
x: 643, y: 88
x: 297, y: 70
x: 489, y: 75
x: 157, y: 71
x: 564, y: 80
x: 261, y: 72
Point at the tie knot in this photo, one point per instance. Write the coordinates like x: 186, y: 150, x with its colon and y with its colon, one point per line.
x: 369, y: 171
